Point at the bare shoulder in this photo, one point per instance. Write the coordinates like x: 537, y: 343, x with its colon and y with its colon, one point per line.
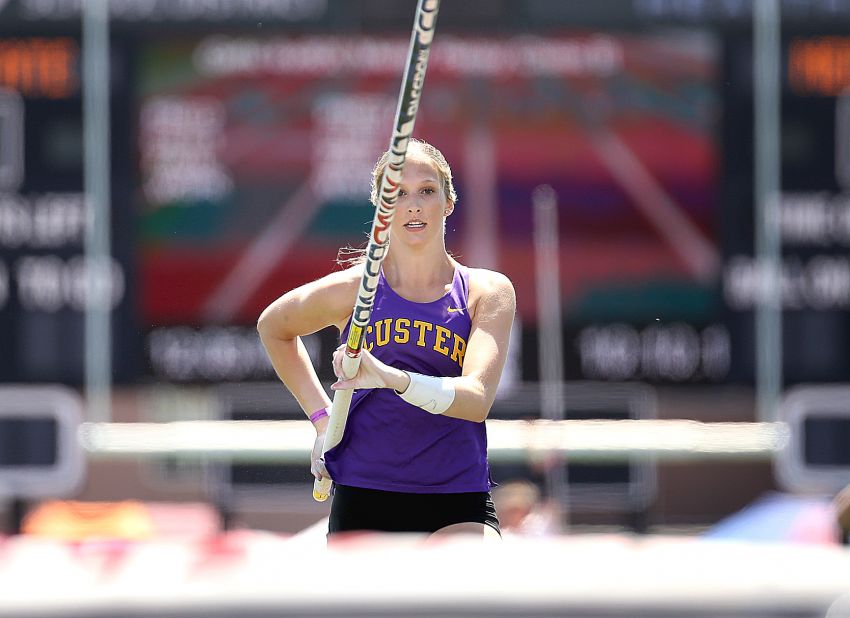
x: 490, y: 280
x: 319, y: 303
x: 332, y: 293
x: 338, y: 288
x: 486, y: 282
x: 490, y: 293
x: 343, y: 280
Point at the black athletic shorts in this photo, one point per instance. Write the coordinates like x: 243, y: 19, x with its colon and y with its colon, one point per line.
x: 355, y: 508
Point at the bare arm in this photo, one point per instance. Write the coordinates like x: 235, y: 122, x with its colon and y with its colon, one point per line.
x: 487, y: 349
x: 303, y: 311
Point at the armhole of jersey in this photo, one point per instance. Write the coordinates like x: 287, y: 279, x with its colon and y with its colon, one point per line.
x: 342, y: 334
x: 464, y: 282
x: 464, y: 273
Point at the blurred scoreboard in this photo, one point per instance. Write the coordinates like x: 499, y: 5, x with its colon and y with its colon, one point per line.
x: 42, y: 214
x: 256, y: 151
x: 815, y: 208
x: 241, y: 159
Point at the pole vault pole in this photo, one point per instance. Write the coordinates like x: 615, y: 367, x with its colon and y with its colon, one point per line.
x: 424, y: 25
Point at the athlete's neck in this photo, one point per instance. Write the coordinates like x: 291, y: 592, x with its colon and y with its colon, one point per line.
x: 420, y: 278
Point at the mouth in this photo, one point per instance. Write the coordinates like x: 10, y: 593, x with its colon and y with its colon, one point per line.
x: 415, y: 225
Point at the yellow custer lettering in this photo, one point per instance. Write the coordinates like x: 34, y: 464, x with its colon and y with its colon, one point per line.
x: 440, y: 342
x: 459, y: 350
x: 423, y: 328
x: 402, y: 330
x: 382, y: 335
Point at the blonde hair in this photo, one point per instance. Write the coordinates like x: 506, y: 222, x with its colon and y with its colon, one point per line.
x: 417, y: 146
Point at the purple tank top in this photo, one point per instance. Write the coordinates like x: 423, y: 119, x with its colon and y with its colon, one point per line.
x: 394, y: 446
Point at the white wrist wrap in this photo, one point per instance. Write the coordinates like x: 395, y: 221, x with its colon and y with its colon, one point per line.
x: 431, y: 393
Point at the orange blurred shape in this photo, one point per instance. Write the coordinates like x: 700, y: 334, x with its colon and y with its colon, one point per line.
x: 125, y: 520
x: 819, y: 66
x: 40, y: 67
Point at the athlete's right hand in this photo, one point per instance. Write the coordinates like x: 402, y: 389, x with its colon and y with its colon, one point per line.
x: 317, y: 462
x: 371, y: 373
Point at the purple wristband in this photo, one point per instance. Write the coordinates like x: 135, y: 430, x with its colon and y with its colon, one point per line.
x: 321, y: 413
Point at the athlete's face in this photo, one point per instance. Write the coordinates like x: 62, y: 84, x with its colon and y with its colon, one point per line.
x: 422, y: 205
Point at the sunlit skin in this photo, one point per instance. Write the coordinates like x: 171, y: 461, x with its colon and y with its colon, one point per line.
x: 417, y: 266
x: 421, y: 200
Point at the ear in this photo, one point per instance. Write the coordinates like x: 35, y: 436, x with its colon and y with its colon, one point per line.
x: 449, y: 210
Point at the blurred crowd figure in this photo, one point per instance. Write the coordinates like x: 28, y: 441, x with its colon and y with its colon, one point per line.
x: 522, y: 510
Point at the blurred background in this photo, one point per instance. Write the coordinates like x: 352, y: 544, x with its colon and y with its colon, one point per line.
x: 665, y: 182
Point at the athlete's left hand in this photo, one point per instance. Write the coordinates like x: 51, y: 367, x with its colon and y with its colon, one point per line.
x: 371, y: 374
x: 317, y: 462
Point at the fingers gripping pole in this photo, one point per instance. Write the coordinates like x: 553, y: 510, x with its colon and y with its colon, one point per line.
x: 338, y: 416
x: 339, y: 409
x: 408, y: 104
